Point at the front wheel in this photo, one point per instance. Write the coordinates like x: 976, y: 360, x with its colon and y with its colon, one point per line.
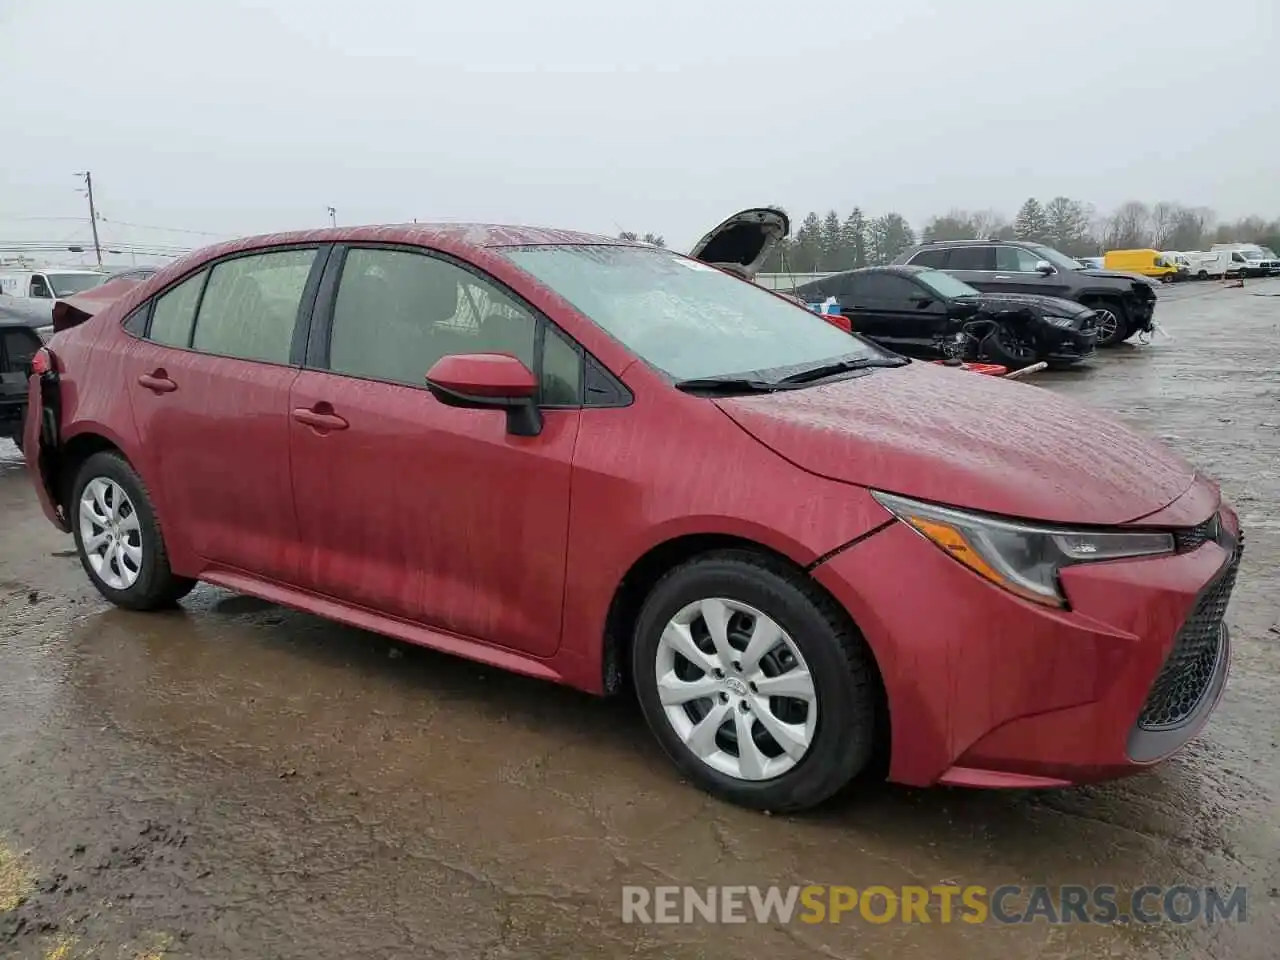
x: 1113, y: 323
x: 754, y: 682
x: 118, y: 536
x: 1008, y: 347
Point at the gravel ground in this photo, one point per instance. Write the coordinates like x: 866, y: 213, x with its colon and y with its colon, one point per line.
x: 238, y: 780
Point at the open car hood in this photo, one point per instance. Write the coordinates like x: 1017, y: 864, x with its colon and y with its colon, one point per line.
x: 744, y: 241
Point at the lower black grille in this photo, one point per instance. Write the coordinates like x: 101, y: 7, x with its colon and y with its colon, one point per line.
x: 1185, y: 676
x: 1189, y: 538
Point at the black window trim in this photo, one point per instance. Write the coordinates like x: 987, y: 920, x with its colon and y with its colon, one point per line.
x: 315, y: 354
x: 302, y: 321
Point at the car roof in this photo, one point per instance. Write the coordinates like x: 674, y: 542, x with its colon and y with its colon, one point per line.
x: 453, y: 234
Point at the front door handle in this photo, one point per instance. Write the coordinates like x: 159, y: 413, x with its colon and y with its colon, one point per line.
x: 157, y: 382
x: 320, y: 417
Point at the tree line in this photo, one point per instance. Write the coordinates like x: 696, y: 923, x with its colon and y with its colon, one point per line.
x: 829, y: 243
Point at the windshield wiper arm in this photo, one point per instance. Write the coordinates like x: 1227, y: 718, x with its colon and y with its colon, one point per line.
x: 841, y: 366
x: 727, y: 385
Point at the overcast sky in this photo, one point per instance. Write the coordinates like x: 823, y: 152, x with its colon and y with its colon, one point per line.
x: 238, y: 117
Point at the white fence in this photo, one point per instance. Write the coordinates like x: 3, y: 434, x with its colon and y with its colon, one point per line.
x: 786, y: 281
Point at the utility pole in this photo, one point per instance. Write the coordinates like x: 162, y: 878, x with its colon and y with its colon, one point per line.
x: 93, y: 214
x: 333, y: 217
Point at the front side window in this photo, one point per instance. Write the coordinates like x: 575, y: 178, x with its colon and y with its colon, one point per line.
x: 1055, y: 257
x: 39, y: 288
x: 685, y: 318
x: 399, y: 312
x: 250, y: 306
x: 175, y: 312
x: 1016, y: 259
x: 945, y: 285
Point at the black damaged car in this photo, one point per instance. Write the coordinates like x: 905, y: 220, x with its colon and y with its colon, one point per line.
x: 919, y: 312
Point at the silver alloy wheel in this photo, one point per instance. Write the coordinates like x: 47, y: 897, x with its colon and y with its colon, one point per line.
x: 1108, y: 324
x: 111, y: 533
x: 735, y: 689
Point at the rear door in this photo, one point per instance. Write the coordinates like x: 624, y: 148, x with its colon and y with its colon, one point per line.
x: 209, y: 385
x: 419, y: 510
x: 975, y: 265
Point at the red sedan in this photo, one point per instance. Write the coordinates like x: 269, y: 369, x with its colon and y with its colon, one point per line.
x: 612, y: 466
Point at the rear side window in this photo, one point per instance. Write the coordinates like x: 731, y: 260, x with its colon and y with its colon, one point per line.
x: 250, y: 306
x: 174, y: 312
x: 929, y: 258
x: 971, y: 258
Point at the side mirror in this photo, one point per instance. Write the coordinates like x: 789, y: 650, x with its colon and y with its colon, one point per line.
x: 489, y: 381
x: 1044, y: 268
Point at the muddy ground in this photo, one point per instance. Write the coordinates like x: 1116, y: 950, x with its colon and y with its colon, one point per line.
x: 238, y: 780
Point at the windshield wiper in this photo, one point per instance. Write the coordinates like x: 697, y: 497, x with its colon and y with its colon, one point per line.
x: 842, y: 366
x: 727, y: 385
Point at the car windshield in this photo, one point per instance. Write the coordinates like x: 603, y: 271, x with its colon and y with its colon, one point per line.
x: 688, y: 319
x: 945, y: 285
x: 1059, y: 260
x: 1268, y: 253
x: 69, y: 284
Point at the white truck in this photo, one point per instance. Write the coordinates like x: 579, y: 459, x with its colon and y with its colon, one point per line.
x: 32, y: 293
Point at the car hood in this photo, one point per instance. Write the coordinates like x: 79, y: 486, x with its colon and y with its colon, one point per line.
x: 745, y: 240
x: 1054, y: 306
x: 1118, y: 275
x: 960, y: 438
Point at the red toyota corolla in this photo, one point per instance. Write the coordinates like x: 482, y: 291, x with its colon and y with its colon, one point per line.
x: 608, y: 465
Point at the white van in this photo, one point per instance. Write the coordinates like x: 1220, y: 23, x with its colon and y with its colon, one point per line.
x: 1209, y: 264
x: 52, y: 284
x: 1249, y: 260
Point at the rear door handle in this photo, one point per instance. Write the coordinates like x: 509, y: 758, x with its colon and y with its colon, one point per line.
x: 157, y: 382
x: 322, y: 419
x: 1004, y: 278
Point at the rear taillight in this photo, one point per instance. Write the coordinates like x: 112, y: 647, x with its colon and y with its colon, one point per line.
x: 42, y: 361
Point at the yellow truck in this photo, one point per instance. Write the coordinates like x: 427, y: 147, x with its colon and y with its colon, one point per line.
x: 1148, y: 263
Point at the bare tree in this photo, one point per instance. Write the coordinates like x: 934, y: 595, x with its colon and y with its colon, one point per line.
x: 1129, y: 227
x: 1165, y: 217
x: 987, y: 224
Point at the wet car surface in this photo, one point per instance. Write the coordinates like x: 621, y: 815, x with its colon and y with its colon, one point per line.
x: 237, y: 780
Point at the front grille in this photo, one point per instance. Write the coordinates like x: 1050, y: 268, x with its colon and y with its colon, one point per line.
x: 1185, y: 676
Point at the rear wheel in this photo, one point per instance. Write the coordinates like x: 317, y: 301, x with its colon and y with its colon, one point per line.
x: 118, y: 536
x: 754, y: 682
x: 1113, y: 322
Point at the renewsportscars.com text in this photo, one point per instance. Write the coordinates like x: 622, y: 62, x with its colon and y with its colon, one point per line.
x: 1008, y: 904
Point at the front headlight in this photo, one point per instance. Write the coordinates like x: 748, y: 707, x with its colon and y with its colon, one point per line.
x: 1022, y: 558
x: 1061, y: 321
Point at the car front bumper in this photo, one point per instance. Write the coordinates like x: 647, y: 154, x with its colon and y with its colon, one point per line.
x: 985, y: 689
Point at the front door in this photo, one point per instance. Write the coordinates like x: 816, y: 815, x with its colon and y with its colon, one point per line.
x: 406, y: 506
x: 1016, y: 272
x: 209, y: 387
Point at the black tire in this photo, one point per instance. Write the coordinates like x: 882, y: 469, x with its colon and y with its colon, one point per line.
x: 156, y: 586
x: 1202, y: 275
x: 1115, y: 333
x: 844, y: 677
x: 1002, y: 346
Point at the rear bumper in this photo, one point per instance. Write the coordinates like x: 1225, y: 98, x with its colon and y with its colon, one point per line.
x: 985, y: 689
